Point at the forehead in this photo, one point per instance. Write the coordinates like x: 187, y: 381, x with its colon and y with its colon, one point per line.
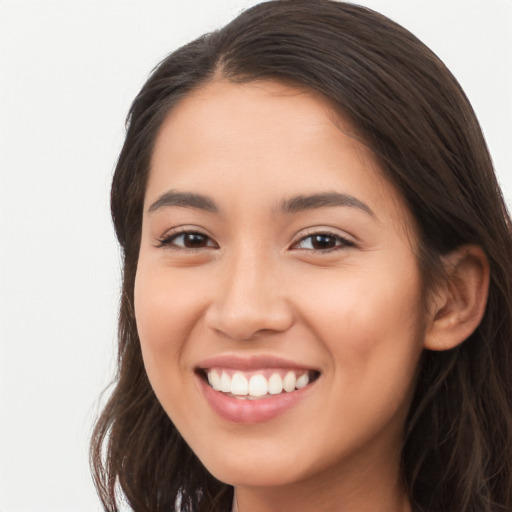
x: 252, y: 119
x: 269, y: 138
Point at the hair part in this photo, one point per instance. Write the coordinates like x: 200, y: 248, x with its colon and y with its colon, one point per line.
x: 410, y: 111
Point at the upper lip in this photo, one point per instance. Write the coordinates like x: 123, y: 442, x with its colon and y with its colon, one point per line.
x: 253, y: 362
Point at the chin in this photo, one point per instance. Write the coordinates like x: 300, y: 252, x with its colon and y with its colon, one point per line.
x: 260, y: 463
x: 246, y: 474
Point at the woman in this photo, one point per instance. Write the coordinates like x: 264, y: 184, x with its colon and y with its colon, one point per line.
x: 316, y: 308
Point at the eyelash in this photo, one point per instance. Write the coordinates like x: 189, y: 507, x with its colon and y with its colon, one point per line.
x: 170, y: 240
x: 339, y: 241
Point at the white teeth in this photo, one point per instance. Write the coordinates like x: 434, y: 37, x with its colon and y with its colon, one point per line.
x: 258, y: 386
x: 239, y: 384
x: 275, y: 384
x: 225, y: 383
x: 214, y: 380
x: 289, y: 382
x: 302, y: 381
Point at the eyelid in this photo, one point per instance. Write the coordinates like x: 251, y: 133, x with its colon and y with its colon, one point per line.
x: 167, y: 238
x: 346, y: 240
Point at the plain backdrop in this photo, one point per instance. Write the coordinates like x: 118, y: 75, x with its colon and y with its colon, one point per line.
x: 68, y: 72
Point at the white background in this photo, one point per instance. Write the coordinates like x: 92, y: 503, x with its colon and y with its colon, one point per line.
x: 68, y: 72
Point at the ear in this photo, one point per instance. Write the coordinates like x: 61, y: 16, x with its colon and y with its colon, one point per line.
x: 458, y: 305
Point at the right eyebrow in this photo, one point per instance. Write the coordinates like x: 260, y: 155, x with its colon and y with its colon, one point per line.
x: 184, y: 199
x: 322, y: 200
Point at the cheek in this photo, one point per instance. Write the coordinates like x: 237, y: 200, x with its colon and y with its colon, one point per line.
x: 372, y: 323
x: 151, y: 306
x: 165, y: 310
x: 161, y: 317
x: 162, y: 325
x: 167, y: 313
x: 169, y: 307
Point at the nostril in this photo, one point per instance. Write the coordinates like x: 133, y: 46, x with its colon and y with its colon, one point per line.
x: 246, y: 324
x: 247, y: 303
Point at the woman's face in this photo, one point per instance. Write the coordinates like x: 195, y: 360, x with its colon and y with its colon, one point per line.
x: 274, y: 254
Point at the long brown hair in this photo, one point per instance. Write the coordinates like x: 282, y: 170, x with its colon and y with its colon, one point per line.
x: 409, y: 109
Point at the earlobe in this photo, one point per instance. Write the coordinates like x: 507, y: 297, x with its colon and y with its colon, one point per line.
x: 459, y: 304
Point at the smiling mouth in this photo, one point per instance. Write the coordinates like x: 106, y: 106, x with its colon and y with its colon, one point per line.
x: 257, y: 384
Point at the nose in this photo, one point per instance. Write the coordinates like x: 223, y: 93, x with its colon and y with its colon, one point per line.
x: 250, y: 300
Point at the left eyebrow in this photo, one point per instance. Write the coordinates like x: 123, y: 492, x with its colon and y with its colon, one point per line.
x: 323, y: 200
x: 185, y: 200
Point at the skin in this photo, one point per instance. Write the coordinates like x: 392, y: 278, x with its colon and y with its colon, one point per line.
x: 257, y: 285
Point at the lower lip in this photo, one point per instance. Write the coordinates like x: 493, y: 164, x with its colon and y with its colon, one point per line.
x: 239, y: 410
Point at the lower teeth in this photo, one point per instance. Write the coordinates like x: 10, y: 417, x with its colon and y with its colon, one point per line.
x: 248, y: 397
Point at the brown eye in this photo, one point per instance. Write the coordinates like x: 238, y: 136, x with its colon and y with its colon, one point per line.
x: 194, y: 240
x: 322, y: 242
x: 188, y: 240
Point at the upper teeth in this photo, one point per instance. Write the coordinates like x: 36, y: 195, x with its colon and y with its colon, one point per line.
x: 256, y: 385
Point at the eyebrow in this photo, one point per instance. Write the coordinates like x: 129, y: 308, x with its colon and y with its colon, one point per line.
x: 328, y: 199
x: 186, y: 200
x: 288, y: 206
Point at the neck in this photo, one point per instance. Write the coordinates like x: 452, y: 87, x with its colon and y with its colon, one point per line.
x: 370, y: 491
x: 272, y: 502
